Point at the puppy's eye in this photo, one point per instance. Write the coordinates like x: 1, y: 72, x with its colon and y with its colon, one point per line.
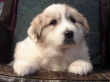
x: 53, y: 22
x: 72, y: 20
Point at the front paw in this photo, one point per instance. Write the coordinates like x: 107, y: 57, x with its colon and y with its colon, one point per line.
x: 80, y: 67
x: 22, y: 68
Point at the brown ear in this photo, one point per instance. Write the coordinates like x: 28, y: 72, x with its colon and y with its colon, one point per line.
x: 37, y: 25
x: 83, y: 21
x: 32, y: 33
x: 85, y: 24
x: 34, y: 30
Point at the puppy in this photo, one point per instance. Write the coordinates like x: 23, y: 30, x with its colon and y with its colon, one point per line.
x: 55, y: 42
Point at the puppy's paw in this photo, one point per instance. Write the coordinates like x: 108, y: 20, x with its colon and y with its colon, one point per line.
x: 80, y: 67
x: 22, y: 68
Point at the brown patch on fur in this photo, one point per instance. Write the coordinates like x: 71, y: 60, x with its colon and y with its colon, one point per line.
x: 79, y: 18
x: 82, y: 20
x: 38, y: 24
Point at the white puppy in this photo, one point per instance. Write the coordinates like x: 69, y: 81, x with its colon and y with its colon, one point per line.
x: 56, y: 42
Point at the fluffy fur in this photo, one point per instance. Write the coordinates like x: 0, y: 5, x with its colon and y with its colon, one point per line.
x: 45, y: 46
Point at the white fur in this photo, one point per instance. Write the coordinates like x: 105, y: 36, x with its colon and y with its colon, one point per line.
x: 31, y: 56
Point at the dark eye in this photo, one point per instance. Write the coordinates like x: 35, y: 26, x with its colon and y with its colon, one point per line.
x: 72, y: 20
x: 53, y: 22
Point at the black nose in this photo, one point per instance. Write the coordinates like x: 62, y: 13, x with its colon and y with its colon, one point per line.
x: 69, y: 34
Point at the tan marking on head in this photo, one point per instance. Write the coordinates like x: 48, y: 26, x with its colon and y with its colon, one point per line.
x: 79, y: 18
x: 38, y: 24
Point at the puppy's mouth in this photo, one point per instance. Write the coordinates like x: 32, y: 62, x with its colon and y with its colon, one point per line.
x: 68, y: 41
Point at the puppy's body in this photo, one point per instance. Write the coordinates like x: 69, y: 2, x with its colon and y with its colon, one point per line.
x: 56, y: 42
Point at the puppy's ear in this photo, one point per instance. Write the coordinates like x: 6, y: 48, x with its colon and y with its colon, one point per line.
x: 34, y: 30
x: 83, y: 21
x: 85, y: 25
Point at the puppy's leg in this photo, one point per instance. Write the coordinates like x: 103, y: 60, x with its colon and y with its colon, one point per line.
x: 25, y: 67
x: 80, y: 67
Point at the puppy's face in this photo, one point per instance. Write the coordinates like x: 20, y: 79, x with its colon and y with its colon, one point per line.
x: 58, y: 25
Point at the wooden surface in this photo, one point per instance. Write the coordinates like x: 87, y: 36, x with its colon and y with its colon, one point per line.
x: 7, y: 74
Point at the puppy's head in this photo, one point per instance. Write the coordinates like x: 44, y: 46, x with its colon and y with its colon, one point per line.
x: 58, y: 25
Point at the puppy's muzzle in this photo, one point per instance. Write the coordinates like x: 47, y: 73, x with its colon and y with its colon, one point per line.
x: 68, y: 37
